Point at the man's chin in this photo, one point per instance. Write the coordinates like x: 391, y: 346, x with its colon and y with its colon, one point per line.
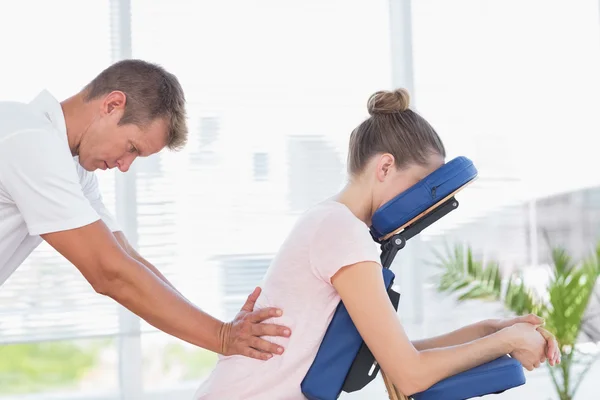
x: 89, y: 168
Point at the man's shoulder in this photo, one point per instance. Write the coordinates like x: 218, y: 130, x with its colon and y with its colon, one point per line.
x: 17, y: 118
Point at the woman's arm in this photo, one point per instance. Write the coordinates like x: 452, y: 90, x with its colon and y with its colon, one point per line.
x: 362, y: 290
x: 463, y: 335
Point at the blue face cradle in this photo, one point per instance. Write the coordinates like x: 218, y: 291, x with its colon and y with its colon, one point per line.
x: 423, y: 197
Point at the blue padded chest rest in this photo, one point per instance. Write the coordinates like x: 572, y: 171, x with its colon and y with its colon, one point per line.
x: 344, y: 362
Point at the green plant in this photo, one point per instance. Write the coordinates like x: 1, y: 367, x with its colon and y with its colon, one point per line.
x: 32, y: 367
x: 562, y: 304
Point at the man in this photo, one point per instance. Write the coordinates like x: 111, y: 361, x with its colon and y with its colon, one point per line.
x: 48, y: 191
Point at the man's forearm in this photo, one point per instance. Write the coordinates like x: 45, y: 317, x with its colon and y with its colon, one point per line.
x: 463, y: 335
x: 133, y: 253
x: 111, y: 271
x: 154, y: 270
x: 138, y: 288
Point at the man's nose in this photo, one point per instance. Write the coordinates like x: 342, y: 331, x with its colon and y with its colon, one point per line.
x: 125, y: 163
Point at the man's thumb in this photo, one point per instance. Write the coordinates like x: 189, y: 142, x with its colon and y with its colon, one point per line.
x: 252, y: 297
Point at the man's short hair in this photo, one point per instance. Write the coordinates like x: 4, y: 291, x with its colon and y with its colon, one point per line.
x: 151, y: 92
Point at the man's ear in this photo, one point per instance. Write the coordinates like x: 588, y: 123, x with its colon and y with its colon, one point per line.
x: 114, y: 101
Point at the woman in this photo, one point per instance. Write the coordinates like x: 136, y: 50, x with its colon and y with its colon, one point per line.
x: 329, y: 255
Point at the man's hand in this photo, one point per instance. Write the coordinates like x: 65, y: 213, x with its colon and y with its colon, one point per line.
x: 242, y: 335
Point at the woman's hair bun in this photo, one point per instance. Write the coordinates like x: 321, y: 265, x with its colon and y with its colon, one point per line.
x: 388, y: 102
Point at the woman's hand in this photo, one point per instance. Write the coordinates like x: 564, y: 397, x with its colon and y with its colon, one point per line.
x: 552, y: 349
x: 499, y: 324
x: 529, y: 344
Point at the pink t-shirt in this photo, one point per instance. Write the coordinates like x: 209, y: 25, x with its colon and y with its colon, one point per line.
x: 324, y: 239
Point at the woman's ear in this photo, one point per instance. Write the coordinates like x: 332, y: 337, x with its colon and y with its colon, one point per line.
x: 384, y: 166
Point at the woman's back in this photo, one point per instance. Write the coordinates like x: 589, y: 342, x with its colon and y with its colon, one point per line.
x: 325, y: 238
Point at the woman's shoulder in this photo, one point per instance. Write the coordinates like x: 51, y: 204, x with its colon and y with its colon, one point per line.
x: 327, y: 222
x: 332, y: 224
x: 335, y: 215
x: 331, y: 210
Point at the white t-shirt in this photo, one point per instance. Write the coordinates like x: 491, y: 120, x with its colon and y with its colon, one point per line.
x: 324, y: 239
x: 43, y: 188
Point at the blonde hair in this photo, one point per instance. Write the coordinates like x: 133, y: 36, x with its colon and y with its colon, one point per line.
x: 392, y: 128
